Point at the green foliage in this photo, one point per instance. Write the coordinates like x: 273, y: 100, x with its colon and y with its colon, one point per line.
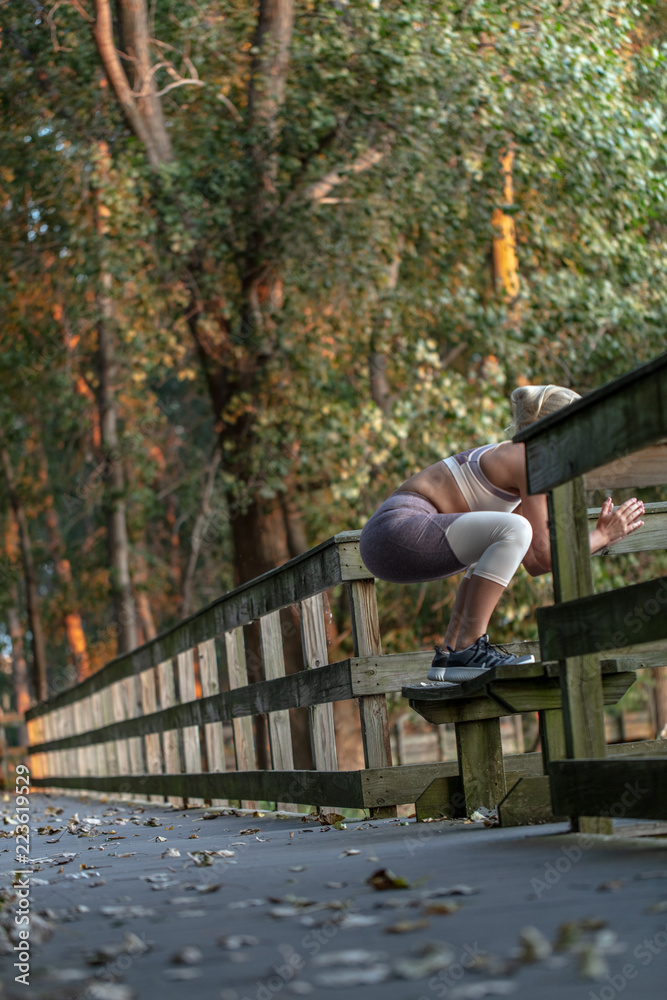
x: 436, y: 91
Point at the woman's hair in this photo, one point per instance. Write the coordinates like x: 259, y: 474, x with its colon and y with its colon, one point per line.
x: 530, y: 402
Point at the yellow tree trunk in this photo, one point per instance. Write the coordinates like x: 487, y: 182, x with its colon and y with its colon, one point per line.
x: 505, y: 262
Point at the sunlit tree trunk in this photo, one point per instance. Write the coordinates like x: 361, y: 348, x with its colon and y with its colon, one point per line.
x: 31, y: 591
x: 505, y: 263
x: 76, y: 638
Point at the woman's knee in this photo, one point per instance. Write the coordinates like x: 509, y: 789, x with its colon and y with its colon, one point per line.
x: 522, y: 529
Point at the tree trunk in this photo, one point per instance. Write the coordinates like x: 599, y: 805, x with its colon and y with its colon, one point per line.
x: 137, y: 93
x: 76, y: 638
x: 114, y: 488
x: 19, y: 665
x: 505, y: 264
x: 144, y: 610
x: 32, y: 599
x: 199, y: 530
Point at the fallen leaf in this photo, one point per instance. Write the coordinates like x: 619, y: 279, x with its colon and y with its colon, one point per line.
x: 534, y: 946
x: 442, y: 909
x: 109, y: 991
x: 232, y: 942
x: 454, y: 890
x: 189, y: 955
x: 384, y: 879
x: 343, y: 978
x: 250, y: 830
x: 429, y: 958
x: 477, y: 991
x: 612, y: 885
x: 348, y: 851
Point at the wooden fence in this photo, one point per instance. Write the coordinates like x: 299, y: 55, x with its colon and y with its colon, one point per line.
x: 617, y: 435
x: 150, y: 723
x: 134, y: 727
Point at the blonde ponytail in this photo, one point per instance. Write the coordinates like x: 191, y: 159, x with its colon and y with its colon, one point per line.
x: 531, y: 402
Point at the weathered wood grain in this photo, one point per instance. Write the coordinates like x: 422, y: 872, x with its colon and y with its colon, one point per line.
x: 280, y: 731
x: 314, y: 643
x: 213, y: 732
x: 170, y: 743
x: 581, y: 678
x: 237, y: 673
x: 616, y: 619
x: 635, y: 471
x: 528, y: 801
x: 624, y: 416
x: 187, y: 691
x: 153, y: 749
x: 619, y: 787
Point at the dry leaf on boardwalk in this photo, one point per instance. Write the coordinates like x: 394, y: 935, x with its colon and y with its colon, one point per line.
x: 384, y: 879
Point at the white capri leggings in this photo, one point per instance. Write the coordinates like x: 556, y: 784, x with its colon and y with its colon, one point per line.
x: 408, y: 540
x: 490, y: 543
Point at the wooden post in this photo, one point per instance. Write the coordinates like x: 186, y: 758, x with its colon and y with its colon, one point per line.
x: 98, y: 749
x: 172, y: 756
x: 151, y: 740
x: 185, y: 664
x: 213, y: 731
x: 280, y: 732
x: 118, y: 709
x: 35, y: 761
x: 480, y: 752
x: 237, y: 671
x: 583, y: 704
x: 372, y: 708
x: 132, y: 703
x: 111, y: 746
x: 314, y: 640
x: 84, y: 754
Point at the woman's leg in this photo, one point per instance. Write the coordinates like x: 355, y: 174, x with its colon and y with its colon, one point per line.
x: 495, y: 542
x: 478, y: 603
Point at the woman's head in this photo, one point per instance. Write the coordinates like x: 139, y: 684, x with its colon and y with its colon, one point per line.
x: 531, y: 402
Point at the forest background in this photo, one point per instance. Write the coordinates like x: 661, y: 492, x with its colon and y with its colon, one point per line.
x: 260, y: 262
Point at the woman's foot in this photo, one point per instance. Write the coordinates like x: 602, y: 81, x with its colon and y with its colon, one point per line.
x: 465, y: 664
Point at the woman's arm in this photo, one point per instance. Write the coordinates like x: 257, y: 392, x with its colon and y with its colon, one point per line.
x: 613, y: 524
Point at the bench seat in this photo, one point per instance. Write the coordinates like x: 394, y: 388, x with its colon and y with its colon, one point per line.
x: 476, y: 707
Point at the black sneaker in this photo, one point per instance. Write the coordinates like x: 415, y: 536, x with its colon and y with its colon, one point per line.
x: 439, y: 665
x: 465, y: 664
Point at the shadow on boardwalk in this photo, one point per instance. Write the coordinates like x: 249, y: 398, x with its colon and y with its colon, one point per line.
x: 124, y: 903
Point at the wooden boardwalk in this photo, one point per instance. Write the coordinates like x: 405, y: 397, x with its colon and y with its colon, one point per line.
x: 124, y: 908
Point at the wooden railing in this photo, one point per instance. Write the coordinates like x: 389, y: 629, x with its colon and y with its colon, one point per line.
x: 134, y: 727
x: 615, y: 436
x: 150, y: 723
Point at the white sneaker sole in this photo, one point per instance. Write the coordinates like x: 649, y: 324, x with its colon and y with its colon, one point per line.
x: 458, y: 674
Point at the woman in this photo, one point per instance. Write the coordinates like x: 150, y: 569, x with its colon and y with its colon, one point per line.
x: 473, y: 512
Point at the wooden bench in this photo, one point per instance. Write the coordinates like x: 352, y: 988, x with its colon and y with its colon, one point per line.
x: 475, y: 707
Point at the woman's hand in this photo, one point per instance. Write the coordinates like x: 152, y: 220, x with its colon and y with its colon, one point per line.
x: 616, y: 522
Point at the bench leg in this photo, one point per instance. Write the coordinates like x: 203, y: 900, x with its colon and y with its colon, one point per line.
x: 481, y: 767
